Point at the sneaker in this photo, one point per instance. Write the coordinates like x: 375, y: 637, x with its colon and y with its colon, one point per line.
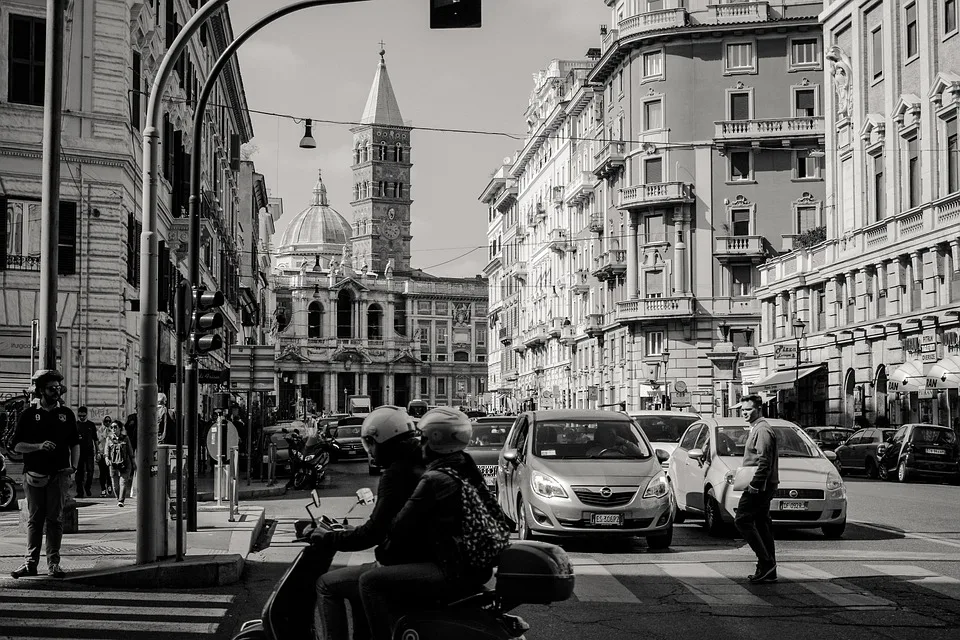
x: 103, y: 493
x: 54, y: 571
x: 767, y: 575
x: 26, y: 570
x: 120, y: 504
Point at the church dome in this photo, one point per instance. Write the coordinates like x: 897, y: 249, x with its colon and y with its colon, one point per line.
x: 317, y: 227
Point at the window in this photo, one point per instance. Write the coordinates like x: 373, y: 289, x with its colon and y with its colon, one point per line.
x: 441, y: 335
x: 653, y: 170
x: 652, y: 115
x: 740, y: 166
x: 26, y: 53
x: 807, y: 168
x: 652, y: 64
x: 879, y: 187
x: 424, y: 387
x: 949, y: 16
x: 481, y: 337
x: 820, y: 307
x: 805, y: 52
x: 806, y: 219
x: 740, y: 222
x: 876, y: 52
x: 740, y: 105
x: 953, y: 161
x: 653, y: 284
x: 913, y: 171
x: 134, y: 229
x: 804, y: 103
x: 912, y: 31
x: 314, y: 320
x: 742, y: 276
x: 135, y: 87
x: 739, y: 57
x: 620, y: 82
x: 654, y: 343
x: 441, y: 386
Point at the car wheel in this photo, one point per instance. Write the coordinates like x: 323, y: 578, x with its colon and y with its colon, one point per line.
x: 522, y: 528
x: 661, y: 540
x: 871, y: 468
x: 834, y: 531
x: 903, y: 474
x: 882, y: 472
x: 712, y: 518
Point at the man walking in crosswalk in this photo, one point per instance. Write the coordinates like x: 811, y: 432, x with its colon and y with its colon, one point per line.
x: 753, y: 512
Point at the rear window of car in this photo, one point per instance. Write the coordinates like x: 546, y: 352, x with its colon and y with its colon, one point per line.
x: 831, y: 435
x: 348, y: 432
x: 664, y: 428
x: 586, y: 439
x: 489, y: 435
x: 929, y: 435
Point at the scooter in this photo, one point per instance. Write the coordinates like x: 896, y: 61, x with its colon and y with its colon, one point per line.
x: 8, y: 487
x: 527, y: 573
x: 308, y: 459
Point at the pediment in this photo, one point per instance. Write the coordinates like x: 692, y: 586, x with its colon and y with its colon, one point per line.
x: 291, y: 353
x: 945, y: 81
x: 405, y: 357
x: 350, y: 283
x: 909, y: 103
x: 873, y: 128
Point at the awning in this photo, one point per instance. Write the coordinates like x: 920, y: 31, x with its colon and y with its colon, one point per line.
x: 946, y: 372
x: 784, y: 379
x: 907, y: 377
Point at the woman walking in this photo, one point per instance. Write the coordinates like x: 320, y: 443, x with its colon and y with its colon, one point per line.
x: 119, y: 455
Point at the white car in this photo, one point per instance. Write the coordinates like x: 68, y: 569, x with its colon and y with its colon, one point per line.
x: 811, y: 492
x: 664, y: 428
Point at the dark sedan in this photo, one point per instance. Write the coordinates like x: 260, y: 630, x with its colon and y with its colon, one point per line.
x: 861, y: 452
x: 829, y: 438
x: 921, y: 450
x: 489, y: 434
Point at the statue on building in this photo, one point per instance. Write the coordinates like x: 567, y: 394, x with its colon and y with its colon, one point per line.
x: 840, y: 71
x: 388, y: 270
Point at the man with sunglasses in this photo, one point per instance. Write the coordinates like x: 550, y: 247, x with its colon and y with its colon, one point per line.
x: 48, y: 438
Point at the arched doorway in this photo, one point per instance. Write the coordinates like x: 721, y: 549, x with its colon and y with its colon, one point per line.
x: 849, y: 402
x: 345, y: 314
x: 375, y: 322
x: 880, y: 394
x: 315, y: 320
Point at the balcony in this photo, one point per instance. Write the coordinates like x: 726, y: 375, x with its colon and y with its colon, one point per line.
x: 610, y: 263
x: 519, y: 270
x: 506, y: 197
x: 536, y: 337
x: 581, y: 281
x: 580, y: 187
x: 22, y: 263
x: 506, y: 336
x: 559, y: 240
x: 656, y: 194
x: 740, y: 12
x: 556, y: 327
x: 769, y: 129
x: 520, y: 229
x: 654, y: 309
x: 734, y: 247
x: 539, y: 213
x: 568, y: 334
x: 596, y: 223
x: 558, y: 196
x: 609, y: 159
x: 594, y: 324
x: 653, y: 21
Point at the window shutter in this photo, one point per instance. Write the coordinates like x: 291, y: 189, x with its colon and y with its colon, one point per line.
x: 234, y: 152
x: 176, y: 178
x: 185, y: 184
x: 3, y: 233
x: 67, y: 240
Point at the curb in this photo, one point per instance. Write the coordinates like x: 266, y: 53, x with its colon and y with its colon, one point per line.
x: 196, y: 572
x: 252, y: 493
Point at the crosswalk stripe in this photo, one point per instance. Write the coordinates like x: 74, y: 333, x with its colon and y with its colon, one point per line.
x: 17, y: 594
x: 829, y: 587
x: 113, y: 609
x: 107, y: 624
x: 594, y: 583
x: 711, y: 586
x: 944, y: 585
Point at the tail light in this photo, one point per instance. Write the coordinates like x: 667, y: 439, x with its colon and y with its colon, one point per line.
x: 880, y: 449
x: 908, y: 448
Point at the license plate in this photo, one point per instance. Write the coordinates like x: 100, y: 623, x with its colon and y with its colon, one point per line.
x: 607, y: 519
x: 937, y: 452
x: 490, y: 480
x: 793, y: 506
x: 352, y: 452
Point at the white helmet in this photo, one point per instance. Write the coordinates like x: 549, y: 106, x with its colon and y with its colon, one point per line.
x: 384, y: 423
x: 446, y: 430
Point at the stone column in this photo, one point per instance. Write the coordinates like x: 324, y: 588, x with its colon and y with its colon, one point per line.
x: 633, y: 260
x: 680, y: 254
x: 390, y: 390
x: 896, y: 285
x: 332, y: 393
x: 833, y: 302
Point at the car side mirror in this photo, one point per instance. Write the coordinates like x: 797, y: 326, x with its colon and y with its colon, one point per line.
x: 695, y: 454
x: 510, y: 455
x: 831, y: 456
x: 662, y: 455
x: 316, y: 498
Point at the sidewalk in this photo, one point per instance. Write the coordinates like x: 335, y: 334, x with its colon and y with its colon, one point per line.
x: 103, y: 552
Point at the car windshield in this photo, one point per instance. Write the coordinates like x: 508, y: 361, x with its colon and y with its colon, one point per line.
x: 587, y: 439
x: 489, y: 435
x: 791, y: 442
x: 348, y: 432
x: 929, y: 435
x: 664, y: 428
x: 831, y: 435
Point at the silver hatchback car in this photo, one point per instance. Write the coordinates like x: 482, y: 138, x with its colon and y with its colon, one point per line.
x: 575, y: 472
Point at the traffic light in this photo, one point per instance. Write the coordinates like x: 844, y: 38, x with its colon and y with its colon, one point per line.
x: 455, y: 14
x: 206, y: 317
x: 183, y: 309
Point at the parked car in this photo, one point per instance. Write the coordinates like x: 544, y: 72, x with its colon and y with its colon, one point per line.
x: 921, y: 450
x: 664, y: 428
x: 829, y: 438
x: 811, y: 491
x: 574, y: 472
x: 861, y: 452
x: 489, y: 434
x: 348, y: 437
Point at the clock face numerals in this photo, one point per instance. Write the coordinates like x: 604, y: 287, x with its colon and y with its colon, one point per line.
x: 391, y: 230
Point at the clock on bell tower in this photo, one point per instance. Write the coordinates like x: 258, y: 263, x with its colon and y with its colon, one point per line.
x: 381, y: 181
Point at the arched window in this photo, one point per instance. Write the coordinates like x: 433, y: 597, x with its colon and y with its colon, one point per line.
x: 356, y: 154
x: 398, y: 152
x: 398, y: 190
x: 345, y: 314
x: 461, y: 356
x: 375, y: 322
x: 315, y: 320
x: 363, y: 153
x: 383, y: 151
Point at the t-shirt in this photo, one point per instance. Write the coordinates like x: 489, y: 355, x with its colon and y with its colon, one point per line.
x: 88, y: 437
x: 37, y: 425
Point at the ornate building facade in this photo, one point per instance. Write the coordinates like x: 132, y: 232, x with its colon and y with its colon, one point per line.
x: 352, y: 315
x: 875, y: 304
x: 684, y: 163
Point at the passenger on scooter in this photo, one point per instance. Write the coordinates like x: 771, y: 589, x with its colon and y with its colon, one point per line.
x: 433, y: 514
x: 389, y: 436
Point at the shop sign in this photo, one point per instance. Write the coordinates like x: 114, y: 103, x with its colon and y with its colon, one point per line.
x: 893, y: 386
x: 925, y: 394
x: 929, y: 350
x: 592, y: 393
x: 951, y: 340
x: 785, y: 352
x: 681, y: 399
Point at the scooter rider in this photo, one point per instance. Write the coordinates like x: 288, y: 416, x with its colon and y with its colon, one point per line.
x: 433, y: 515
x: 389, y: 437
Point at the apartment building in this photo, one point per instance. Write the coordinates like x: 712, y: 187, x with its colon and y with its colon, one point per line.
x: 871, y: 312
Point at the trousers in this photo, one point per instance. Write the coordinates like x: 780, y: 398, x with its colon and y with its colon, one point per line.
x: 45, y: 507
x: 84, y: 474
x: 388, y: 592
x: 754, y: 524
x: 334, y: 590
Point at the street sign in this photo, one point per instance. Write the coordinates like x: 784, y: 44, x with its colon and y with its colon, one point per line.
x: 213, y: 443
x: 210, y: 376
x: 681, y: 399
x: 785, y: 351
x: 251, y: 368
x: 680, y: 386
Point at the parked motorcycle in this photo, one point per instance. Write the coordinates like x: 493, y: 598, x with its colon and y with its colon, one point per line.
x: 8, y: 487
x: 528, y: 573
x: 308, y: 459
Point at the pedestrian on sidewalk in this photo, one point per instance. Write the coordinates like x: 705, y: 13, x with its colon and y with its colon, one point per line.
x: 753, y: 512
x: 119, y: 455
x: 88, y: 448
x: 47, y: 437
x: 130, y: 429
x: 103, y: 431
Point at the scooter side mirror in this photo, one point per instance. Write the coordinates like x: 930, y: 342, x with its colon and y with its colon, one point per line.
x: 316, y: 497
x: 365, y: 496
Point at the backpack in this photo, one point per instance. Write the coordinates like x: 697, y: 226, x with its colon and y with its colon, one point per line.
x: 486, y: 528
x: 117, y: 454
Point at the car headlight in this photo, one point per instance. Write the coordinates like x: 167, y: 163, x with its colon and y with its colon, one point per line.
x: 546, y: 486
x: 835, y: 486
x: 657, y: 488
